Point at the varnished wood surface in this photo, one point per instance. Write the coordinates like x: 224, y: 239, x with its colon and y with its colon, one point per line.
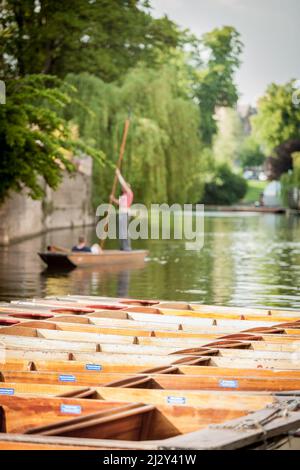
x: 140, y: 371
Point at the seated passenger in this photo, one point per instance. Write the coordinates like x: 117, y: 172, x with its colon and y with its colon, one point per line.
x: 82, y: 246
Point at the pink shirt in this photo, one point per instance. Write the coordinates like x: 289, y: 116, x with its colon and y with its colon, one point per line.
x: 125, y: 200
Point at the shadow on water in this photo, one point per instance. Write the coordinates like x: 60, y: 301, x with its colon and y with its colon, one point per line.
x: 247, y: 259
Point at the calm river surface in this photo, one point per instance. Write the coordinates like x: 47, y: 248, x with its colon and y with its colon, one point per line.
x: 247, y: 259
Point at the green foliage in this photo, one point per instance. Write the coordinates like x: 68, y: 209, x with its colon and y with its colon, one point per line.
x: 250, y: 153
x: 228, y: 140
x: 102, y: 37
x: 225, y: 187
x: 34, y: 138
x: 215, y: 86
x: 254, y: 190
x: 120, y: 58
x: 291, y: 179
x: 164, y: 161
x: 278, y: 119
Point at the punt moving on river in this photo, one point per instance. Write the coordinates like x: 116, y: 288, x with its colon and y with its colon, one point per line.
x: 70, y: 260
x: 82, y: 372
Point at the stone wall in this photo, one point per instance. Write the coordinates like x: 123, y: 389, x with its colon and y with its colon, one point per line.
x: 69, y: 206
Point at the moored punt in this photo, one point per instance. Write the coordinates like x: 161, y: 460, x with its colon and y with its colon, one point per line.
x: 183, y: 322
x: 200, y: 365
x: 124, y: 373
x: 49, y: 332
x: 166, y: 421
x: 113, y: 424
x: 107, y: 362
x: 73, y: 260
x: 138, y: 328
x: 230, y: 381
x: 36, y: 348
x: 142, y: 328
x: 155, y: 307
x: 248, y: 401
x: 156, y: 304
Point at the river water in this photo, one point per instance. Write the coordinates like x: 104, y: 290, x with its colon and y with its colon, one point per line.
x: 247, y: 260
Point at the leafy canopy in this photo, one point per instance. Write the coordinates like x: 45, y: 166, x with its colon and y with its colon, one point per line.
x: 102, y: 37
x: 278, y: 118
x: 225, y: 186
x: 250, y: 153
x: 215, y: 86
x: 34, y: 138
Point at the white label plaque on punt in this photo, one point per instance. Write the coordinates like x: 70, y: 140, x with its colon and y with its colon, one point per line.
x: 93, y: 367
x: 71, y: 409
x: 176, y: 400
x: 67, y: 378
x: 229, y: 383
x: 7, y: 391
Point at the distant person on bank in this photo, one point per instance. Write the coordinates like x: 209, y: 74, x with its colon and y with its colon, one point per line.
x: 124, y: 202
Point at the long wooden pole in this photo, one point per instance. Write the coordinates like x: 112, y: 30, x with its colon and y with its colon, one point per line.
x: 118, y: 167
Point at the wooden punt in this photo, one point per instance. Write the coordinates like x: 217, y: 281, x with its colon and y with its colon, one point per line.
x: 136, y: 327
x: 103, y: 419
x: 165, y: 316
x: 32, y: 344
x: 35, y: 348
x: 142, y: 372
x: 106, y: 258
x: 188, y: 366
x: 144, y: 328
x: 133, y: 328
x: 158, y: 307
x: 238, y: 400
x: 230, y: 381
x: 107, y: 362
x: 208, y: 309
x: 182, y: 322
x: 272, y: 342
x: 109, y: 424
x: 264, y: 429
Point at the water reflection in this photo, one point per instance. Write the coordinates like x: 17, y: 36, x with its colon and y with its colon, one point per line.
x: 247, y: 259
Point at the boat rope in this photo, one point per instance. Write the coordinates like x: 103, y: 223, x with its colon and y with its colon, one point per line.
x: 280, y: 409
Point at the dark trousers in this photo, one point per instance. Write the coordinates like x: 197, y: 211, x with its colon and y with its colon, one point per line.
x: 125, y: 243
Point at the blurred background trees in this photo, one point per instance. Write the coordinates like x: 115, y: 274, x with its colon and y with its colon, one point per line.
x: 118, y: 58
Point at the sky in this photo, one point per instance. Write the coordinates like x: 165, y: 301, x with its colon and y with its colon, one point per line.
x: 270, y: 31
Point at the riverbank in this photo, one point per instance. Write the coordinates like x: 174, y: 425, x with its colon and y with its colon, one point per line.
x: 246, y: 208
x: 69, y: 206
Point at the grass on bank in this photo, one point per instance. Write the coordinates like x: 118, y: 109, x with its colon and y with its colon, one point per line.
x: 255, y: 188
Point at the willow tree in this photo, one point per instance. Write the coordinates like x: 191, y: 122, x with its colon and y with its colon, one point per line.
x: 163, y: 161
